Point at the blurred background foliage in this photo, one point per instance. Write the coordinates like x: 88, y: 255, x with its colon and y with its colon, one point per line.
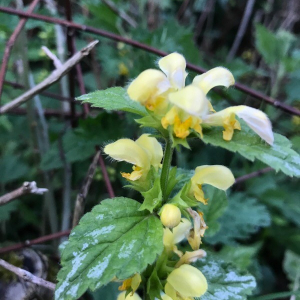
x: 258, y: 229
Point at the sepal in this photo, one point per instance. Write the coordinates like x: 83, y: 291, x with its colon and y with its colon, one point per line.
x: 152, y: 197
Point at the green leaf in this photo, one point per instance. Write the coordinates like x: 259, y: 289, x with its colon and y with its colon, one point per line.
x: 114, y: 98
x: 154, y: 286
x: 153, y: 197
x: 108, y: 292
x: 280, y: 156
x: 217, y: 203
x: 291, y: 266
x: 7, y: 209
x: 79, y: 144
x: 12, y: 168
x: 241, y: 256
x: 224, y: 281
x: 243, y: 217
x: 273, y: 46
x: 113, y: 240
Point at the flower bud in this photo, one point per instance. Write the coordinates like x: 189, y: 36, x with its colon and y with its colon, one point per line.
x: 170, y: 215
x: 135, y: 296
x: 187, y: 281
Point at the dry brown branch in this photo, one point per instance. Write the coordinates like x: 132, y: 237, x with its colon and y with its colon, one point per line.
x: 52, y: 78
x: 26, y: 188
x: 11, y: 42
x: 36, y: 241
x: 122, y: 14
x: 27, y: 276
x: 241, y: 87
x: 253, y: 174
x: 241, y: 30
x: 80, y: 200
x: 106, y: 178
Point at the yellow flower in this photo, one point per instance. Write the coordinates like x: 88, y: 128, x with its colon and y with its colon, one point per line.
x: 179, y: 233
x: 170, y: 215
x: 143, y: 153
x: 150, y: 87
x: 132, y: 282
x: 185, y: 282
x: 129, y: 296
x: 218, y: 76
x: 255, y: 119
x: 190, y: 257
x: 216, y: 175
x: 189, y: 106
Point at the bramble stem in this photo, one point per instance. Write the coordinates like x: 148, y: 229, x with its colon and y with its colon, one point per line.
x: 166, y: 168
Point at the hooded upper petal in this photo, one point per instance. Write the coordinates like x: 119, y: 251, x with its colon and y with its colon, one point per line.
x: 218, y: 76
x: 190, y: 99
x: 216, y: 175
x: 173, y: 65
x: 148, y: 84
x: 129, y: 151
x: 152, y: 147
x: 255, y: 119
x: 258, y: 122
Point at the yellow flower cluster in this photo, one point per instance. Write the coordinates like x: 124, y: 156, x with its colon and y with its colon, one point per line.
x: 185, y: 282
x: 184, y: 109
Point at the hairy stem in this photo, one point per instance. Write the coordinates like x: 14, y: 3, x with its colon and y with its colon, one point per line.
x: 166, y: 168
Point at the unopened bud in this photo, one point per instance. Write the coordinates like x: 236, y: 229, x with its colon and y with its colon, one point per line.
x: 170, y: 215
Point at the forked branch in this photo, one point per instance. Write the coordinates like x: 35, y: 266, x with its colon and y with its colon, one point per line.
x: 52, y: 78
x: 27, y: 276
x: 26, y: 188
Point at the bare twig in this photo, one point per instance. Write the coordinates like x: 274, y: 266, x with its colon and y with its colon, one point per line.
x: 200, y: 24
x: 47, y: 112
x: 11, y: 42
x: 238, y: 86
x: 54, y: 76
x: 253, y: 174
x: 80, y: 200
x: 39, y: 240
x: 46, y: 94
x: 106, y: 178
x: 122, y: 14
x: 26, y: 188
x: 242, y: 29
x: 27, y: 276
x: 182, y: 9
x: 57, y: 63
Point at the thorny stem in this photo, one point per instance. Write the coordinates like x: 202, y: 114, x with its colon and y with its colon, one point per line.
x: 166, y: 168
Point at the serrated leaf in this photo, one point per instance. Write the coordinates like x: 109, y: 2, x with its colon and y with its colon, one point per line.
x: 153, y: 197
x: 113, y: 240
x: 243, y: 217
x: 154, y: 286
x: 114, y: 98
x: 280, y: 156
x: 224, y: 281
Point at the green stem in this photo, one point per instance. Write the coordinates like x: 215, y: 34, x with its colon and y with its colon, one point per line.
x: 166, y: 168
